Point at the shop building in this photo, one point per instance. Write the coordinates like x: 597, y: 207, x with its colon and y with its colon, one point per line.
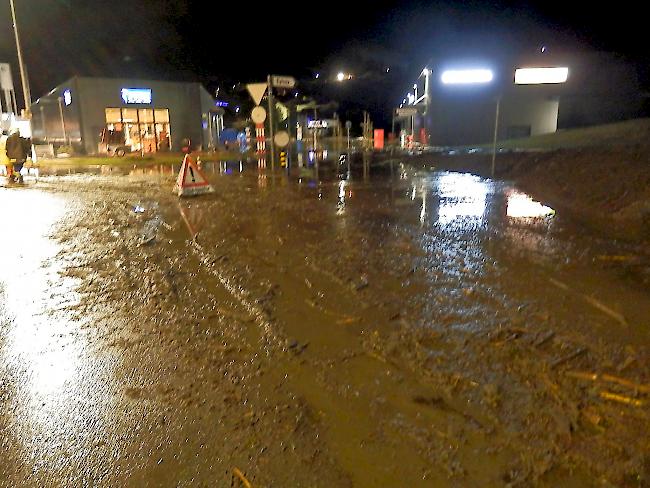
x: 100, y: 115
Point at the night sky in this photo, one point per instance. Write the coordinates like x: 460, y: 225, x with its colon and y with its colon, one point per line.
x: 224, y: 43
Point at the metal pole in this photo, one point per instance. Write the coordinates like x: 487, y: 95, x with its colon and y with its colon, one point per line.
x: 65, y: 135
x: 23, y: 71
x: 496, y: 130
x: 270, y: 99
x: 427, y: 97
x: 43, y: 122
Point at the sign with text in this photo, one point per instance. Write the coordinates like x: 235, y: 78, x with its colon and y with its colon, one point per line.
x: 317, y: 124
x: 406, y: 112
x: 136, y: 95
x: 283, y: 81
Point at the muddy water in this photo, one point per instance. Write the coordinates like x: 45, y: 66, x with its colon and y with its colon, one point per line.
x: 363, y: 325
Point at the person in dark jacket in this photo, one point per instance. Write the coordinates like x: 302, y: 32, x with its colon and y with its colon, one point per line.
x: 18, y: 149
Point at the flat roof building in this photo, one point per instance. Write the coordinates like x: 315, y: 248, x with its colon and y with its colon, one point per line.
x: 99, y: 115
x: 443, y: 109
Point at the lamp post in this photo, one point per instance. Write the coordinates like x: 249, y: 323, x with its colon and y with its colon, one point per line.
x: 21, y: 65
x: 65, y: 135
x: 496, y: 130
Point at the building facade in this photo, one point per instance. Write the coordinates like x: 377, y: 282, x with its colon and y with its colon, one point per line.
x: 96, y: 115
x: 599, y: 89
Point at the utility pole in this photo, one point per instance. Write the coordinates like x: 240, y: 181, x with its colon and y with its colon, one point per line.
x: 65, y: 135
x: 23, y: 71
x: 496, y: 130
x: 271, y: 105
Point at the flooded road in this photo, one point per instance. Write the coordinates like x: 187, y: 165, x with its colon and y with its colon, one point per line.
x: 365, y: 325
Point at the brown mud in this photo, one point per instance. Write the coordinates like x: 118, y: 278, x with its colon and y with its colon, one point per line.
x: 396, y: 328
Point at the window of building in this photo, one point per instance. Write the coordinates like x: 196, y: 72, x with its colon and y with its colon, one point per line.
x: 141, y: 129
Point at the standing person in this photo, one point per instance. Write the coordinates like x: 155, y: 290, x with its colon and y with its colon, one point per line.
x: 17, y: 150
x: 4, y: 159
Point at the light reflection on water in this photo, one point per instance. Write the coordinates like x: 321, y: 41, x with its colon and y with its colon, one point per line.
x: 45, y: 355
x: 463, y: 198
x: 30, y: 289
x: 521, y: 205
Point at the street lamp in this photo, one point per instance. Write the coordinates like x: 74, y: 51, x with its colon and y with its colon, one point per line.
x: 21, y: 65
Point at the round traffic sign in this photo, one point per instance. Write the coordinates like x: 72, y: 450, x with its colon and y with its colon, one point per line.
x: 348, y: 125
x: 281, y: 139
x: 258, y: 115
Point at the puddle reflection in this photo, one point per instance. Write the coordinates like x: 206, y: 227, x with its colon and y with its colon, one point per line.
x: 462, y: 197
x: 521, y: 205
x: 45, y: 351
x: 194, y: 218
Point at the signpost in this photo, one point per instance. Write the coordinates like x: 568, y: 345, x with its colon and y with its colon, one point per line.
x: 348, y: 126
x: 256, y: 91
x: 281, y: 139
x: 406, y: 112
x: 270, y: 99
x: 283, y: 81
x: 258, y: 115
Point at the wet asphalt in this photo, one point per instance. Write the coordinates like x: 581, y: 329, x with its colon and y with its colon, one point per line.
x: 372, y: 324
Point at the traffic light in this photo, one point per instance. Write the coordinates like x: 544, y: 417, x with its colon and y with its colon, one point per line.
x: 283, y: 159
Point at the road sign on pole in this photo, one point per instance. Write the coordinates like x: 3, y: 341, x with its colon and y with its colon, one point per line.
x: 271, y: 108
x: 283, y: 81
x: 256, y: 91
x: 348, y: 126
x: 406, y: 112
x: 258, y: 115
x: 281, y: 139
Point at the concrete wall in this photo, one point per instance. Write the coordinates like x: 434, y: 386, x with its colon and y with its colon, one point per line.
x: 540, y: 114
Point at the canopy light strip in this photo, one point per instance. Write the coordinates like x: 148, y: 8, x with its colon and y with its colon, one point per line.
x: 536, y: 76
x: 466, y: 76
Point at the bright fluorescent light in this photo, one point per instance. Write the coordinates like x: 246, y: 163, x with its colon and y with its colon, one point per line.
x: 534, y: 76
x: 464, y: 76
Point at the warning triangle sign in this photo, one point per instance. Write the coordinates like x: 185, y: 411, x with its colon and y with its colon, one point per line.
x: 256, y: 91
x: 191, y: 180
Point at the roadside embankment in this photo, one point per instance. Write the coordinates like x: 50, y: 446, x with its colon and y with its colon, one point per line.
x: 606, y: 188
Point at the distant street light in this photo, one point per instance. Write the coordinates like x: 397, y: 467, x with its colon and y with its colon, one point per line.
x: 343, y: 76
x: 21, y: 65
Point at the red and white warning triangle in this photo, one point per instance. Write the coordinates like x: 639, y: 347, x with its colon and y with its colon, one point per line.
x: 191, y: 180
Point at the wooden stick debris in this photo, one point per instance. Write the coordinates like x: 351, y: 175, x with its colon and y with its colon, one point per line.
x: 615, y: 397
x: 630, y: 384
x: 568, y: 357
x: 545, y: 338
x: 606, y: 310
x: 587, y: 376
x: 593, y: 302
x: 236, y: 472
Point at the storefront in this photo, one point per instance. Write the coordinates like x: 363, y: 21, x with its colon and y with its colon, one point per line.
x: 118, y: 116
